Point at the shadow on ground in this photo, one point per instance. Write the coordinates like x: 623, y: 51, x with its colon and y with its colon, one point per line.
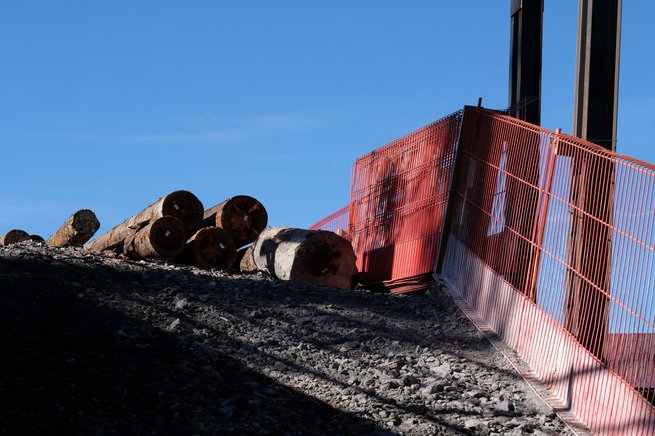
x: 73, y: 365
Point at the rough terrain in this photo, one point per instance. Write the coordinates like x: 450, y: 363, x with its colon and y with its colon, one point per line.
x: 100, y: 345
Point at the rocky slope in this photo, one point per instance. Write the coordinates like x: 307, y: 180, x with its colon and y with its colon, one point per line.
x: 100, y: 345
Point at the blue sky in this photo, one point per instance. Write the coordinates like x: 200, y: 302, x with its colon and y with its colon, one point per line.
x: 109, y: 105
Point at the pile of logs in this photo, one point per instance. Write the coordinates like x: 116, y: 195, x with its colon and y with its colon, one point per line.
x: 177, y: 227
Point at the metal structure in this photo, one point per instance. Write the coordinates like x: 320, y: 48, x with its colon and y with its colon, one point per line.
x: 597, y: 72
x: 525, y: 59
x: 464, y: 186
x: 393, y: 188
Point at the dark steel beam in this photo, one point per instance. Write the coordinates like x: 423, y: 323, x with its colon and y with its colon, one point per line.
x: 597, y: 71
x: 592, y: 178
x: 525, y: 59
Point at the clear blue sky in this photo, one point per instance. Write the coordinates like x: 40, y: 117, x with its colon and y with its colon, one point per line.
x: 110, y: 104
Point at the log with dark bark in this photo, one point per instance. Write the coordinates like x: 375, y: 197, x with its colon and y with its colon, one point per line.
x: 179, y: 204
x: 163, y: 238
x: 209, y: 247
x: 79, y: 228
x: 13, y: 236
x: 314, y: 256
x: 243, y: 216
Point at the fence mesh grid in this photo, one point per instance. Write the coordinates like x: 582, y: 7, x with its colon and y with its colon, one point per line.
x: 550, y: 241
x: 571, y: 227
x: 399, y: 195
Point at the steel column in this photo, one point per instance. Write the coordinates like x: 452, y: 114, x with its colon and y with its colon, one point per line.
x: 525, y: 59
x: 595, y: 119
x: 597, y: 72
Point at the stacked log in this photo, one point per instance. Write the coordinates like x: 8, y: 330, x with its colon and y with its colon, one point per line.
x: 14, y: 236
x: 209, y: 247
x: 314, y: 256
x: 182, y: 205
x: 78, y: 229
x: 162, y: 238
x: 244, y: 217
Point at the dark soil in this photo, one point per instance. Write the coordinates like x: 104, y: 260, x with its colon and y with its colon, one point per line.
x: 100, y: 345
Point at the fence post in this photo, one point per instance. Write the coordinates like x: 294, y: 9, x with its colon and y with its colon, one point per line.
x: 452, y: 193
x: 540, y: 222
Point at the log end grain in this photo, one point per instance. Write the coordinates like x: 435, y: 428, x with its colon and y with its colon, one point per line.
x: 164, y: 238
x: 185, y: 206
x: 14, y: 236
x: 210, y: 247
x: 243, y: 216
x: 325, y: 258
x: 77, y: 230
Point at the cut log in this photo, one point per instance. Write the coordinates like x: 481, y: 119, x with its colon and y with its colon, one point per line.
x: 14, y: 236
x: 37, y: 238
x: 163, y: 238
x: 209, y: 247
x: 243, y: 216
x: 78, y: 229
x: 314, y: 256
x: 247, y: 263
x: 179, y: 204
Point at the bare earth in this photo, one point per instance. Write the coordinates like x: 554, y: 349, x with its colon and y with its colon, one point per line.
x: 100, y: 345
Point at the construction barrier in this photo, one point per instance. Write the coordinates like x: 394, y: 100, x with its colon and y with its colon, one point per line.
x: 551, y: 243
x: 546, y: 239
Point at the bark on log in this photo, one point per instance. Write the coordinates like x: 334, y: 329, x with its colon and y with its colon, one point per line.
x: 13, y: 236
x: 179, y: 204
x: 209, y: 247
x: 314, y: 256
x: 78, y: 229
x: 163, y: 238
x: 243, y: 216
x: 247, y: 263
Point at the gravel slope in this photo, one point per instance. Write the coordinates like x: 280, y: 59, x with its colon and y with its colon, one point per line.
x: 101, y: 345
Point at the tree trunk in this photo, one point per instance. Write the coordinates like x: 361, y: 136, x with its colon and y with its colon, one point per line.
x: 163, y: 238
x: 209, y: 247
x: 13, y: 236
x: 314, y: 256
x: 79, y: 228
x: 243, y: 216
x: 179, y: 204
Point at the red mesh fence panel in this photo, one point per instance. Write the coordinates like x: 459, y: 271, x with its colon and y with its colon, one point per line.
x: 336, y: 222
x: 552, y: 246
x: 399, y: 194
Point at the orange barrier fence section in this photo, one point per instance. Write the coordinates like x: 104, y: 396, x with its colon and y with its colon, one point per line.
x: 398, y: 199
x: 552, y: 245
x: 547, y: 241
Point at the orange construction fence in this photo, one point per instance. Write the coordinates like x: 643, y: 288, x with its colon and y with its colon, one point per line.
x: 546, y: 240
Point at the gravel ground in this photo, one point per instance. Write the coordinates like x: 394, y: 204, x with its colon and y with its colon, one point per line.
x: 101, y: 345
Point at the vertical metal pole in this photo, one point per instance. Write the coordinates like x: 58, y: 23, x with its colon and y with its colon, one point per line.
x: 525, y: 59
x: 597, y: 72
x: 592, y: 188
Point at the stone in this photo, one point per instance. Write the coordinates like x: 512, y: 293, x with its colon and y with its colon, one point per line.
x: 442, y: 371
